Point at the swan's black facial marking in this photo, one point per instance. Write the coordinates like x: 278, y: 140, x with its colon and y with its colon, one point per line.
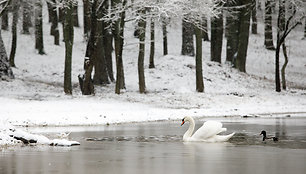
x: 183, y: 121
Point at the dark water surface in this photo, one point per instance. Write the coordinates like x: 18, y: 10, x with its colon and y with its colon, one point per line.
x: 158, y: 148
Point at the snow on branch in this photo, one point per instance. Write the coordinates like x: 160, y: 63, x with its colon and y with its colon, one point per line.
x: 165, y: 9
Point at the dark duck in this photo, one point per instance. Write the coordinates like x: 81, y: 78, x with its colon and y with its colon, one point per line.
x: 264, y: 136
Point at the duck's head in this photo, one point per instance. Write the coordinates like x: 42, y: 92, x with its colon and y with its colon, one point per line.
x: 264, y: 133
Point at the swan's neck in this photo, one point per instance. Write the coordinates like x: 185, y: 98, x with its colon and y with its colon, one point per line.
x: 190, y: 130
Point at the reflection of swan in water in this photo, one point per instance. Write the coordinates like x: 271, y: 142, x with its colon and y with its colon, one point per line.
x: 207, y: 133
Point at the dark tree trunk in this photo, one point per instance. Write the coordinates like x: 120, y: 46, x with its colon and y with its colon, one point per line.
x: 75, y: 15
x: 205, y: 29
x: 50, y: 11
x: 26, y: 19
x: 60, y: 15
x: 280, y: 34
x: 54, y: 22
x: 254, y: 17
x: 108, y: 45
x: 283, y: 70
x: 118, y: 35
x: 5, y: 69
x: 39, y: 42
x: 216, y: 38
x: 69, y: 34
x: 165, y: 38
x: 277, y: 74
x: 14, y: 32
x: 100, y: 76
x: 244, y: 29
x: 305, y: 29
x: 142, y: 32
x: 86, y: 82
x: 187, y: 38
x: 152, y: 44
x: 199, y: 74
x: 4, y: 19
x: 86, y: 17
x: 268, y: 26
x: 232, y: 22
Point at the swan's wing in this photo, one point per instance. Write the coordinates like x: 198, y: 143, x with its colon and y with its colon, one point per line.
x: 220, y: 138
x: 209, y: 129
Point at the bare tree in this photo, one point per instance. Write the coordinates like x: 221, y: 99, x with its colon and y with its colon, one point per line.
x: 152, y: 43
x: 5, y: 68
x: 15, y: 8
x: 69, y: 35
x: 39, y: 42
x: 285, y: 26
x: 198, y: 60
x: 26, y: 16
x: 268, y: 25
x: 187, y: 38
x: 142, y: 32
x: 86, y: 17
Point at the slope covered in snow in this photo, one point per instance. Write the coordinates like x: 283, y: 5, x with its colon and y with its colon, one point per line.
x: 35, y: 97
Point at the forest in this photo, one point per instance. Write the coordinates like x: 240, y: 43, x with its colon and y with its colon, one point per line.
x: 104, y: 28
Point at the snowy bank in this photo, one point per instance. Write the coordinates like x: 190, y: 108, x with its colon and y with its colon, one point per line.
x: 9, y: 135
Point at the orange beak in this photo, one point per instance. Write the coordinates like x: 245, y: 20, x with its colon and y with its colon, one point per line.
x: 182, y: 123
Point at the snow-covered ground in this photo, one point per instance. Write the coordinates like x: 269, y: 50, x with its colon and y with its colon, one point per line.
x: 36, y: 98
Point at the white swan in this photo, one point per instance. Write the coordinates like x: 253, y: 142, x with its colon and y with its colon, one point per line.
x: 207, y: 133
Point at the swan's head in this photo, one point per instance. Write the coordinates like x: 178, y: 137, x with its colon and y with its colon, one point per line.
x: 183, y: 121
x: 187, y: 118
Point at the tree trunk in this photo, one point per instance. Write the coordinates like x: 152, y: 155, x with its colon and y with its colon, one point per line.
x: 232, y: 22
x: 60, y: 15
x: 54, y: 22
x: 75, y: 15
x: 119, y: 38
x: 142, y: 32
x: 100, y: 76
x: 199, y: 74
x: 26, y: 19
x: 216, y: 38
x: 268, y: 26
x: 14, y: 33
x: 69, y: 34
x: 244, y: 29
x: 305, y: 29
x: 108, y: 45
x: 152, y: 44
x: 187, y: 38
x: 205, y: 27
x: 165, y: 38
x: 5, y: 69
x: 280, y: 34
x: 39, y: 43
x: 86, y: 82
x: 4, y: 19
x: 277, y: 74
x: 86, y: 17
x: 254, y: 17
x: 50, y: 11
x: 283, y: 70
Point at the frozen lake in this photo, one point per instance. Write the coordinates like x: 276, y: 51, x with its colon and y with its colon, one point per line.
x: 157, y: 148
